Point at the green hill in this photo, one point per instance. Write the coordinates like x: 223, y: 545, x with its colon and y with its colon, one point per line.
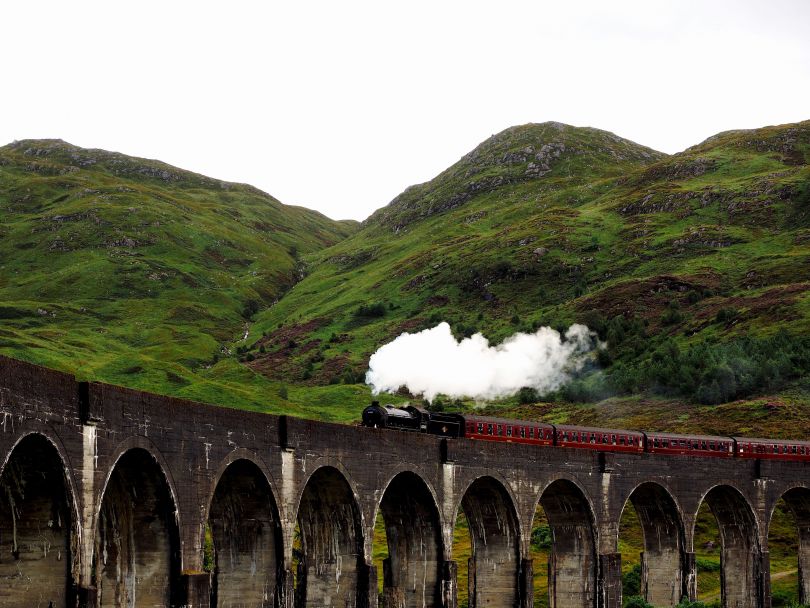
x: 694, y: 268
x: 135, y: 272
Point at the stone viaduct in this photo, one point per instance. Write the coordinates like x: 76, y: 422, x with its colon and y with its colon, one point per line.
x: 106, y: 494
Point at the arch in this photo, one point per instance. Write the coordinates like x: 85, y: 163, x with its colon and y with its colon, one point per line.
x: 663, y: 580
x: 572, y: 560
x: 797, y: 499
x: 411, y: 573
x: 331, y: 542
x: 247, y: 538
x: 739, y: 539
x: 137, y: 543
x: 38, y: 533
x: 494, y: 568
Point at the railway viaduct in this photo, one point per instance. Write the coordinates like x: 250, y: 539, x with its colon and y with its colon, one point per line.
x: 106, y: 493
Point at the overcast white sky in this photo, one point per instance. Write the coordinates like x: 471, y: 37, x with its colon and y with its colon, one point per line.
x: 339, y: 106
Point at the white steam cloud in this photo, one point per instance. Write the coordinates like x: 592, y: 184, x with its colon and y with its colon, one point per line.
x: 432, y: 361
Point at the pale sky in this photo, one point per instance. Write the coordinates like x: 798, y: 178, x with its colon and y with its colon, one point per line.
x: 338, y: 106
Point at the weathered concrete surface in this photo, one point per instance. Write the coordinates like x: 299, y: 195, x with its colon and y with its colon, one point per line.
x: 124, y: 483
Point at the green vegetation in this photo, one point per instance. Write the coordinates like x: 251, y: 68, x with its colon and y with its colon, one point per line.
x: 692, y: 268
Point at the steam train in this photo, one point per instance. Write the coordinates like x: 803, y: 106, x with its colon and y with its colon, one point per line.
x: 415, y: 419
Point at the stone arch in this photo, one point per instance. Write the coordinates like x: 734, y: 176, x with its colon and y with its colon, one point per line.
x: 494, y: 568
x: 411, y: 573
x: 739, y: 538
x: 663, y: 576
x: 797, y: 500
x: 246, y: 533
x: 137, y: 544
x: 572, y: 562
x: 38, y: 538
x: 331, y: 542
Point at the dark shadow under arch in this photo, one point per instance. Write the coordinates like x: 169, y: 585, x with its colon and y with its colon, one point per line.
x: 411, y: 571
x: 494, y: 568
x: 572, y: 560
x: 246, y: 533
x: 331, y: 543
x: 36, y: 527
x: 663, y: 581
x: 137, y: 548
x: 739, y: 552
x: 798, y: 503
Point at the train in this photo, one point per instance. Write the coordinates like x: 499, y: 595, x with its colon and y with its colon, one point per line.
x: 415, y: 419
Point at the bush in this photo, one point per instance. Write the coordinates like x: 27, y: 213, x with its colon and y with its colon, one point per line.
x: 707, y: 565
x: 250, y: 309
x: 631, y: 583
x: 636, y: 601
x: 672, y: 315
x: 527, y: 395
x: 687, y: 604
x: 726, y: 315
x: 541, y: 538
x: 370, y: 311
x: 282, y: 392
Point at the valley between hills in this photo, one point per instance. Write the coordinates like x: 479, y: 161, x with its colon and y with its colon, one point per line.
x: 693, y: 268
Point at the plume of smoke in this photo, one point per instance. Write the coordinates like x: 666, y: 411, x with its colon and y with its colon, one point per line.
x: 432, y: 361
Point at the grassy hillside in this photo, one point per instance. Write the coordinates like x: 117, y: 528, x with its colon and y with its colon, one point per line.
x: 694, y: 267
x: 135, y: 272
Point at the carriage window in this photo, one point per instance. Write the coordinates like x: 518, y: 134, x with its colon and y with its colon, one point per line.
x: 622, y: 440
x: 489, y: 429
x: 711, y: 445
x: 500, y: 430
x: 509, y: 431
x: 655, y: 442
x: 613, y: 439
x: 480, y: 427
x: 523, y: 432
x: 531, y: 432
x: 565, y: 436
x: 703, y: 445
x: 793, y: 449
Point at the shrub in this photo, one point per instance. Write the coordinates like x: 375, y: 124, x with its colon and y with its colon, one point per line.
x: 282, y: 392
x: 672, y: 315
x: 541, y: 538
x: 250, y: 309
x: 370, y: 311
x: 726, y: 315
x: 527, y: 395
x: 631, y: 583
x: 636, y: 601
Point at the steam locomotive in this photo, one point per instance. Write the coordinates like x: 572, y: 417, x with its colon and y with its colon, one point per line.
x: 415, y: 419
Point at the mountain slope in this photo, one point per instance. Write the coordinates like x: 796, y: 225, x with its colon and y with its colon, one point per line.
x: 550, y: 224
x: 133, y: 271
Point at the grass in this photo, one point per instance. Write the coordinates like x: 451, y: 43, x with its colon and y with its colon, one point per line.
x: 136, y: 273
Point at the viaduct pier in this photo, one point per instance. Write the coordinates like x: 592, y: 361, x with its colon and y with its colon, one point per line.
x: 106, y: 494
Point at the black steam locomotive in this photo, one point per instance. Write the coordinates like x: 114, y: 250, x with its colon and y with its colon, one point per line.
x: 415, y: 419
